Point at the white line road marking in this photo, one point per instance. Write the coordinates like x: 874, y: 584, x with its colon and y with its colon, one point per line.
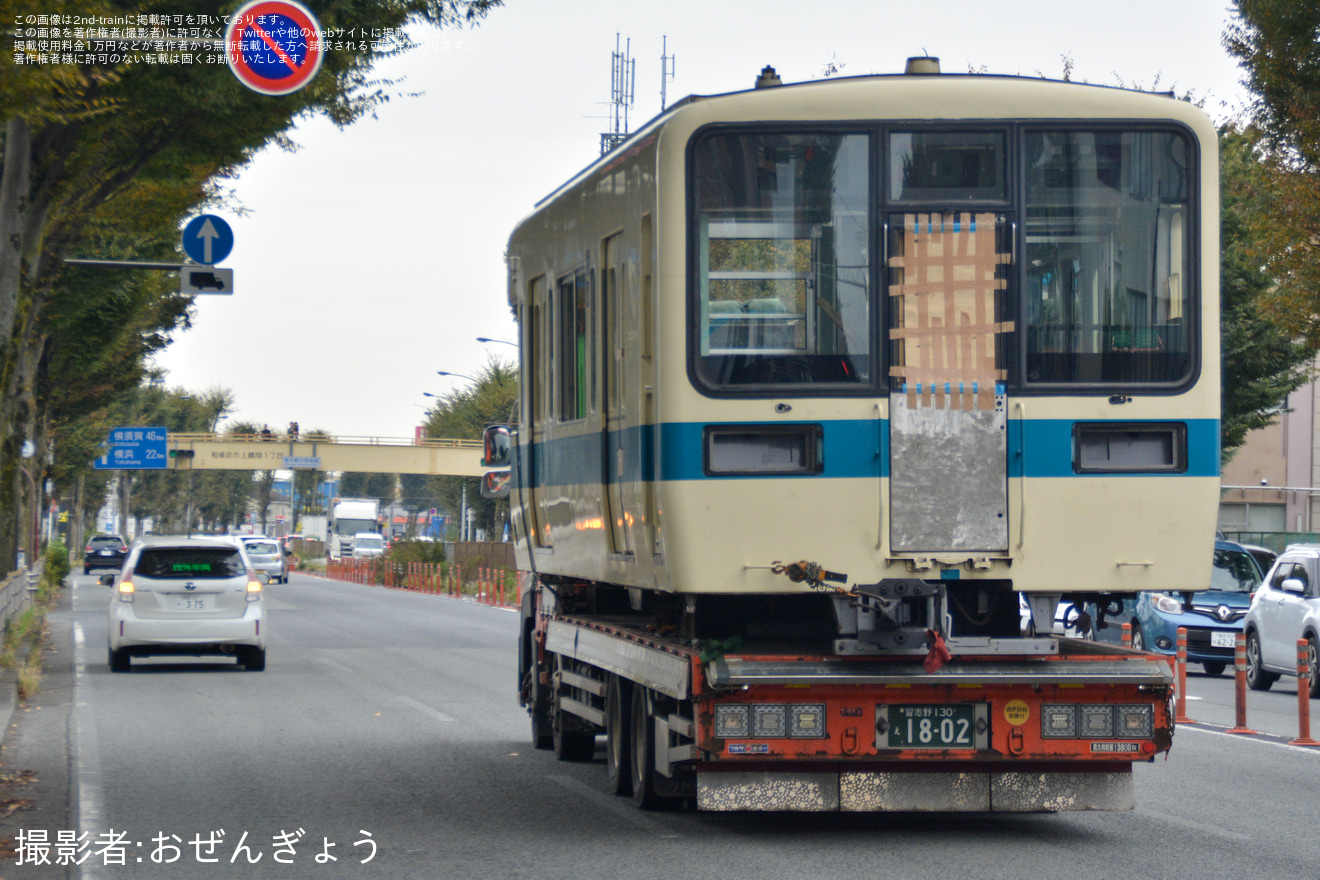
x: 333, y: 664
x: 1306, y: 750
x: 1216, y: 830
x: 426, y: 710
x: 87, y: 760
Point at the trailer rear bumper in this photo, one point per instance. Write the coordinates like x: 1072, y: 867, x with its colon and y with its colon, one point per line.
x: 869, y: 791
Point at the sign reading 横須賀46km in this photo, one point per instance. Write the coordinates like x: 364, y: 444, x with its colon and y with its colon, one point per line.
x: 274, y: 46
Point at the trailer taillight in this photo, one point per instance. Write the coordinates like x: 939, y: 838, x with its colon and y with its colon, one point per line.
x: 770, y: 721
x: 1097, y: 721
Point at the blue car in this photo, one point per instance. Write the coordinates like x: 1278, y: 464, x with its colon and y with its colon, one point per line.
x: 1213, y: 617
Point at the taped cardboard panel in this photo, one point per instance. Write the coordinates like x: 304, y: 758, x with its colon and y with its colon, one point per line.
x: 945, y: 288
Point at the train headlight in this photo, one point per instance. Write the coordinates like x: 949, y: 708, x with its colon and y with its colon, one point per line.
x: 1058, y: 721
x: 733, y: 721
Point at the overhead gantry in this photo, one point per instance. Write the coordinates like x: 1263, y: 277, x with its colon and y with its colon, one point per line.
x: 384, y: 455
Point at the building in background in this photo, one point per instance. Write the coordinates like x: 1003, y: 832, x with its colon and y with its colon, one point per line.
x: 1270, y: 485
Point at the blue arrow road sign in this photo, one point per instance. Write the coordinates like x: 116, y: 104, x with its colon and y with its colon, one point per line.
x: 207, y: 239
x: 135, y: 449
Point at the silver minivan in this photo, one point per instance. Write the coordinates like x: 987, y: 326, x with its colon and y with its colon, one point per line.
x: 267, y: 555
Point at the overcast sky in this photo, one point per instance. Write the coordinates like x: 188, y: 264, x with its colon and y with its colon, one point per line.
x: 372, y: 257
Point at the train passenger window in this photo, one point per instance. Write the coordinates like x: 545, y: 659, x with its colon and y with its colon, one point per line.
x: 1108, y: 257
x: 782, y: 288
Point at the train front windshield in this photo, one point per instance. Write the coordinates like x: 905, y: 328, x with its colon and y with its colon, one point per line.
x: 1085, y: 276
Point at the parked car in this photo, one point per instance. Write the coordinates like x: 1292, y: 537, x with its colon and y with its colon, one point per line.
x: 1286, y: 608
x: 267, y: 555
x: 104, y: 551
x: 1213, y: 615
x: 187, y: 596
x: 1264, y: 556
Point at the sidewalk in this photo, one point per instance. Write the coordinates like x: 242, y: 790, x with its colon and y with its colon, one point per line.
x: 36, y: 790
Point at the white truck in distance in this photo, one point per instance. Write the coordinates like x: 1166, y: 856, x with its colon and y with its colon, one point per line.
x: 349, y: 517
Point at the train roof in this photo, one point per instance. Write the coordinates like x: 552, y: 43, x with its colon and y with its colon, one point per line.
x: 773, y: 84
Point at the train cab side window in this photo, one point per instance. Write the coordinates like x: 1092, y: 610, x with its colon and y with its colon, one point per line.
x: 1109, y: 295
x: 780, y: 237
x: 574, y: 305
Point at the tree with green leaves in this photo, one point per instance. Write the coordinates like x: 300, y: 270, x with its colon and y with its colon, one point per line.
x: 1276, y: 44
x: 1262, y: 362
x: 464, y: 414
x: 104, y: 161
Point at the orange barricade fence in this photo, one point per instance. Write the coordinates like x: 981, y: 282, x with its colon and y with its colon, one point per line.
x: 490, y: 586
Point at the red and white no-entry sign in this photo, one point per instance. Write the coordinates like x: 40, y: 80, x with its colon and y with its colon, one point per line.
x: 274, y: 46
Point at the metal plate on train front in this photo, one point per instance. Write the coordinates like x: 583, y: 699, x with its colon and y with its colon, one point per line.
x: 948, y: 480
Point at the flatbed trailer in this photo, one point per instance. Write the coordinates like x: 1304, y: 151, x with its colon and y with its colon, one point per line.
x: 776, y: 728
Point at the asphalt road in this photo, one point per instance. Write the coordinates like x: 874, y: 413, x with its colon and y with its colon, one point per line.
x: 388, y: 718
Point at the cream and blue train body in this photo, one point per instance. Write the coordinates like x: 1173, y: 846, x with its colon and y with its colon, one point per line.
x: 949, y: 327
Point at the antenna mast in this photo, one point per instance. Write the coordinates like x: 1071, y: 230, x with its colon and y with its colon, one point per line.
x: 667, y: 67
x: 622, y: 78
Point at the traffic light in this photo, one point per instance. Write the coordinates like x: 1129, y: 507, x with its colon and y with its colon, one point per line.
x: 182, y: 453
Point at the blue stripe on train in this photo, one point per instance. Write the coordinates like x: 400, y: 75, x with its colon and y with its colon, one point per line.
x: 852, y: 449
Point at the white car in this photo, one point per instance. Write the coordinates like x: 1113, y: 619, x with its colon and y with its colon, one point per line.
x: 367, y: 545
x: 187, y: 596
x: 1285, y: 608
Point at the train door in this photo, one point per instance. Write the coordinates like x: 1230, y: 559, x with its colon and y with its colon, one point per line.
x: 948, y: 479
x: 615, y: 465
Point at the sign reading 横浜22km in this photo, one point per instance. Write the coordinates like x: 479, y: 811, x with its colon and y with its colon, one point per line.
x: 274, y: 46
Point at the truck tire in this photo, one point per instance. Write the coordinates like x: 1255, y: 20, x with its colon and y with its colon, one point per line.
x: 642, y: 739
x: 538, y: 701
x: 618, y: 753
x: 571, y: 742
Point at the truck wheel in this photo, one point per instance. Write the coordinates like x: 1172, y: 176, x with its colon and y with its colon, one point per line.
x: 572, y: 745
x: 642, y: 740
x: 1257, y: 678
x: 538, y: 706
x: 618, y: 757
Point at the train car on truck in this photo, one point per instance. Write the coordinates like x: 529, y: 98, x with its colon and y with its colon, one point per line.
x: 817, y: 381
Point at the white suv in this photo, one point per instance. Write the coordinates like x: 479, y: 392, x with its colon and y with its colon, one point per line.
x: 190, y: 596
x: 1285, y: 608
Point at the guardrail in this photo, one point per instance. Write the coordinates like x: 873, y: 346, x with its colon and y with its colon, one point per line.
x: 17, y: 591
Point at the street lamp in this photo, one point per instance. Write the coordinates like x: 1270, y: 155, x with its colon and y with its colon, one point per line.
x: 455, y: 375
x: 501, y: 341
